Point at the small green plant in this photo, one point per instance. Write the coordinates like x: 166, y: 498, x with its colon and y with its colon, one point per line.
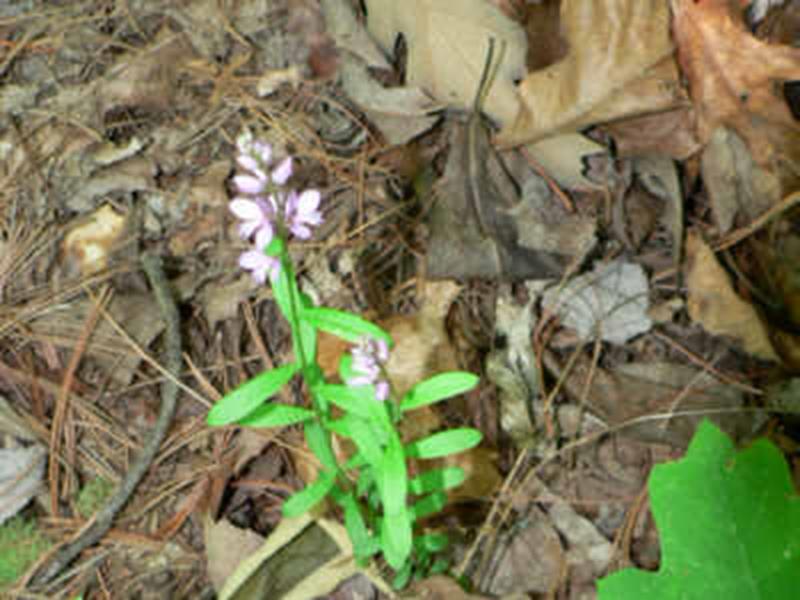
x: 729, y: 523
x: 21, y: 544
x: 92, y: 496
x: 380, y: 503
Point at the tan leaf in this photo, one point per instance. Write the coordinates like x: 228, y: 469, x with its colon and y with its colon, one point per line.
x: 714, y: 304
x: 731, y: 74
x: 226, y: 547
x: 447, y: 46
x: 88, y: 245
x: 618, y: 66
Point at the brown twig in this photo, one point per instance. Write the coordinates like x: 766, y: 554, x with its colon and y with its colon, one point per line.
x: 102, y: 521
x: 62, y: 403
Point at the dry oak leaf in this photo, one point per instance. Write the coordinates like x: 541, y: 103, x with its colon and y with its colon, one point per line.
x: 619, y: 65
x: 731, y: 74
x: 715, y: 306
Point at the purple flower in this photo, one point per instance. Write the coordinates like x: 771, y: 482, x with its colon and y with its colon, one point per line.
x: 302, y: 211
x: 262, y: 203
x: 255, y: 162
x: 257, y: 216
x: 260, y: 265
x: 281, y: 173
x: 368, y: 356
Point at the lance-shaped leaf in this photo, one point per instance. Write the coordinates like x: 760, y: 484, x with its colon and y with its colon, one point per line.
x: 344, y: 325
x: 273, y: 414
x: 247, y: 397
x: 444, y: 443
x: 438, y: 387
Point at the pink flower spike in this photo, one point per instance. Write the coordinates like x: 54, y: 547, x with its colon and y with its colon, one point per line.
x: 250, y: 184
x: 281, y: 173
x: 248, y: 163
x: 260, y: 265
x: 256, y: 215
x: 264, y: 236
x: 264, y: 152
x: 382, y: 351
x: 381, y: 391
x: 301, y: 211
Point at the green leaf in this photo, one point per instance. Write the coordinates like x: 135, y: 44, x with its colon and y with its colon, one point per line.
x: 444, y: 443
x: 402, y: 576
x: 431, y: 542
x: 396, y: 538
x: 273, y: 414
x: 362, y: 434
x: 308, y: 336
x: 346, y: 367
x: 306, y: 499
x: 393, y: 478
x: 436, y: 480
x: 729, y: 524
x: 344, y: 325
x: 364, y: 544
x: 247, y: 397
x: 359, y: 400
x: 366, y: 480
x: 438, y: 387
x: 429, y: 505
x: 319, y: 442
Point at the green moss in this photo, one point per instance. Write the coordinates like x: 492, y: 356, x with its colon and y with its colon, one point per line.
x: 92, y: 496
x: 21, y: 543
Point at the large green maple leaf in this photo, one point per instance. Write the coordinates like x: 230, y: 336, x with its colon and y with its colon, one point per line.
x: 729, y: 524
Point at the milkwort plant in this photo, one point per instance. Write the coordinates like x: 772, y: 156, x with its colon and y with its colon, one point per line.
x: 379, y: 501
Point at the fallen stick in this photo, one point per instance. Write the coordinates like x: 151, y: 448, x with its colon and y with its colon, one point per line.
x: 97, y: 527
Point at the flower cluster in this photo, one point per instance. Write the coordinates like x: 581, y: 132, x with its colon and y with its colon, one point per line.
x: 267, y: 210
x: 368, y: 356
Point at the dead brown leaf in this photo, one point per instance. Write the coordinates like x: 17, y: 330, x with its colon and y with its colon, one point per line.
x: 618, y: 66
x: 715, y: 305
x: 669, y: 133
x: 227, y: 546
x: 439, y: 587
x: 731, y: 75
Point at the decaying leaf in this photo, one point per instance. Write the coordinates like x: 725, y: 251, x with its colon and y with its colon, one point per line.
x: 531, y: 557
x: 459, y: 247
x: 21, y: 473
x: 447, y: 46
x: 736, y: 184
x: 731, y: 75
x: 88, y: 245
x: 619, y: 65
x: 134, y: 312
x: 225, y: 547
x: 611, y: 302
x: 669, y: 133
x: 715, y: 305
x: 512, y: 368
x: 638, y: 390
x: 302, y: 558
x: 439, y: 587
x: 400, y: 113
x: 147, y: 79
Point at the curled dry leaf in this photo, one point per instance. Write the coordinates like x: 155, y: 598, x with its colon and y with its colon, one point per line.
x: 619, y: 65
x: 731, y: 75
x: 88, y: 245
x: 715, y: 306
